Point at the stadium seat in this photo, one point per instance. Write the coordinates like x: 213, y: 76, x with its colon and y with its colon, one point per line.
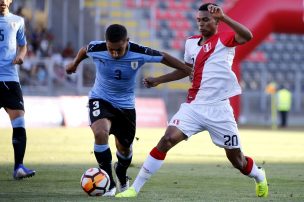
x: 181, y: 35
x: 162, y: 5
x: 130, y: 3
x: 177, y: 44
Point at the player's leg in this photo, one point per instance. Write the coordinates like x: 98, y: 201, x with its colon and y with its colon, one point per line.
x: 102, y: 151
x: 19, y: 144
x: 99, y: 114
x: 157, y: 155
x: 224, y: 133
x: 19, y: 134
x: 182, y: 126
x: 123, y: 127
x: 124, y: 158
x: 247, y: 166
x: 12, y: 101
x: 154, y: 160
x: 244, y: 164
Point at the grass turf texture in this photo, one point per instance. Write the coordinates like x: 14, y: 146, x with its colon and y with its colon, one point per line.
x: 195, y: 170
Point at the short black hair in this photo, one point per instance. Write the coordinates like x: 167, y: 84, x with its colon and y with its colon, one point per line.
x: 116, y: 32
x: 204, y: 7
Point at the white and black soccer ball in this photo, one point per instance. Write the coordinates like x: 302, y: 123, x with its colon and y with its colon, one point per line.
x: 95, y: 182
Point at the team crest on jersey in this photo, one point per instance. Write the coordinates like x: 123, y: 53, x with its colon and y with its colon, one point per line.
x: 134, y: 64
x: 207, y: 47
x: 176, y: 121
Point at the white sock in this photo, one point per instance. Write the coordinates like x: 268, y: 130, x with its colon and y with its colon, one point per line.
x: 150, y: 166
x: 256, y: 173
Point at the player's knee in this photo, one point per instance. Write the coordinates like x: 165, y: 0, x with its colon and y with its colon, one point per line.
x: 99, y: 131
x: 18, y: 122
x: 101, y: 136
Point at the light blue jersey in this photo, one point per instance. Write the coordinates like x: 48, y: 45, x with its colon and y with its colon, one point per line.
x: 11, y: 35
x: 115, y: 78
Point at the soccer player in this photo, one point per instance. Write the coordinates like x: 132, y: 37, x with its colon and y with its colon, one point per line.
x: 12, y: 51
x: 112, y: 98
x: 207, y: 106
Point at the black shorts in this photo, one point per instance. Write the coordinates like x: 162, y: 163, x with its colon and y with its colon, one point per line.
x: 123, y: 120
x: 11, y: 95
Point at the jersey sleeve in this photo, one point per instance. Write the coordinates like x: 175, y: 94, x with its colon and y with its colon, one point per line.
x: 89, y: 49
x: 187, y: 56
x: 96, y: 46
x: 148, y: 54
x: 152, y: 55
x: 21, y: 38
x: 228, y: 39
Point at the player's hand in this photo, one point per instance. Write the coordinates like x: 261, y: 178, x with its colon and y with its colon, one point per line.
x: 150, y: 82
x: 216, y: 12
x: 18, y: 61
x: 70, y: 68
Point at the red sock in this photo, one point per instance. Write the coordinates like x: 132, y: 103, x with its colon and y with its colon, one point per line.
x: 155, y: 153
x: 248, y: 168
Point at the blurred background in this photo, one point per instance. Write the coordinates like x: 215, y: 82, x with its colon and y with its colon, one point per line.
x: 56, y: 29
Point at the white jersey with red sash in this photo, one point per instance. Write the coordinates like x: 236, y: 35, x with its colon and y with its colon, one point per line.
x: 213, y: 78
x: 207, y: 106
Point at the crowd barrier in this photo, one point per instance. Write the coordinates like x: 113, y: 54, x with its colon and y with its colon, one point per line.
x: 72, y: 111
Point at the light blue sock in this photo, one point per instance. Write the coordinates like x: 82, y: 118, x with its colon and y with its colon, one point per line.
x: 101, y: 147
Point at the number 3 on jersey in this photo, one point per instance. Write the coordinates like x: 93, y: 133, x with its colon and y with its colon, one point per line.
x: 117, y: 74
x: 1, y: 35
x: 96, y: 110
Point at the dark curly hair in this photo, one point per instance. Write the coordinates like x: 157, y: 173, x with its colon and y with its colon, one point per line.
x: 116, y: 32
x: 204, y: 7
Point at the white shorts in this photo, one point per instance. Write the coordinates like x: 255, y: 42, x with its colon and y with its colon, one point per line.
x: 216, y: 118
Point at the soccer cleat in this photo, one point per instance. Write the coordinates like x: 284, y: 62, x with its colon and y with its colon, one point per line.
x: 129, y: 193
x: 261, y: 188
x: 121, y: 187
x: 22, y: 172
x: 110, y: 192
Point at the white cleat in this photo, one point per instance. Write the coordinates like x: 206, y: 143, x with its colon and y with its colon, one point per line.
x: 110, y: 192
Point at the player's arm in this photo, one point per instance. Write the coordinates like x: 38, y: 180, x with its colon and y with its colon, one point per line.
x: 176, y: 64
x: 172, y: 76
x: 72, y: 66
x: 242, y: 33
x: 21, y: 52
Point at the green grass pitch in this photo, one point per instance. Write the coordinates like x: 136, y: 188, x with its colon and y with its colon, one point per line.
x: 195, y: 170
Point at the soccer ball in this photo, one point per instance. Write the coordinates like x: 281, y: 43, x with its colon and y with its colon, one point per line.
x: 95, y: 182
